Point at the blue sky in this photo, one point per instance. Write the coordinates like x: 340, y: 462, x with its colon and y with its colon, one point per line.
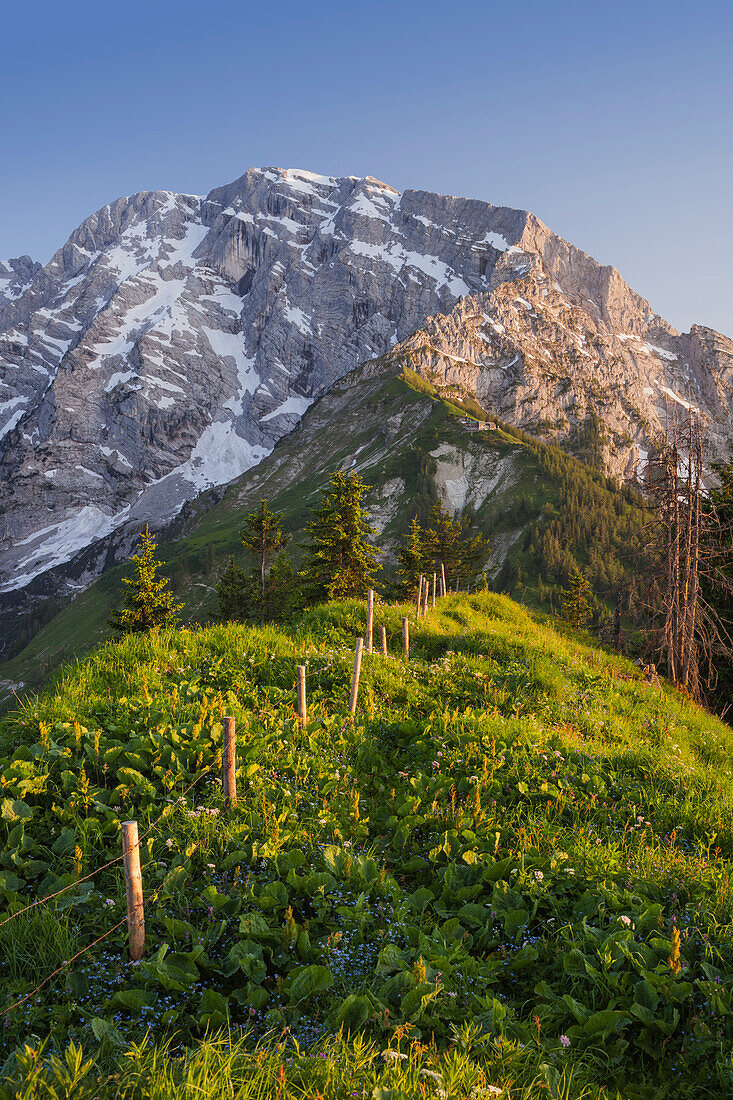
x: 611, y: 121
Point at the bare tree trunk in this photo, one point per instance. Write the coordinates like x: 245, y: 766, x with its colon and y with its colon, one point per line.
x: 689, y: 666
x: 671, y: 515
x: 695, y: 551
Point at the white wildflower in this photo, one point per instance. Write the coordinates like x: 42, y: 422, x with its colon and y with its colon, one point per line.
x: 432, y: 1075
x: 393, y: 1056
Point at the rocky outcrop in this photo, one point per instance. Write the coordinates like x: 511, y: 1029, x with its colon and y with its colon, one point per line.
x: 16, y: 277
x: 545, y: 358
x: 174, y: 339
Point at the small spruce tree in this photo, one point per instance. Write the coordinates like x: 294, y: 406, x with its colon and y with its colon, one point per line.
x: 232, y: 593
x: 451, y: 542
x: 576, y: 599
x: 263, y: 537
x: 284, y: 589
x: 148, y: 602
x: 341, y: 562
x: 412, y: 559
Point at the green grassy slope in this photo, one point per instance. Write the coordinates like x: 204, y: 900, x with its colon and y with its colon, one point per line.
x: 537, y: 505
x: 517, y: 841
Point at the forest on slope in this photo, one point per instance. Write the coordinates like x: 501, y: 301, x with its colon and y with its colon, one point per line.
x: 541, y: 508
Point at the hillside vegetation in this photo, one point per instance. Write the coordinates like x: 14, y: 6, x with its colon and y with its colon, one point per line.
x: 540, y: 507
x: 509, y: 875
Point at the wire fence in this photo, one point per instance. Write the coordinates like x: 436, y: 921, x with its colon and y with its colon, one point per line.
x: 118, y: 859
x: 153, y: 896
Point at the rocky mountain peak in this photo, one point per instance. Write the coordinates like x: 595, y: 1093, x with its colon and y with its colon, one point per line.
x: 174, y: 339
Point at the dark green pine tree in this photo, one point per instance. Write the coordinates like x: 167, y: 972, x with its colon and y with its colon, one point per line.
x: 576, y: 599
x: 412, y: 559
x: 234, y: 593
x: 341, y: 562
x: 284, y: 595
x: 263, y: 537
x: 451, y: 542
x: 148, y: 602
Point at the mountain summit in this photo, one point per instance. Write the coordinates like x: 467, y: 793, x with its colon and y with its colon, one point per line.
x: 174, y: 339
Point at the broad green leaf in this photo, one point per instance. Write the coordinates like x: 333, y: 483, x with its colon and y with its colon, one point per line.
x: 605, y: 1022
x: 353, y: 1013
x: 104, y: 1031
x: 247, y: 957
x: 213, y: 1012
x: 309, y: 982
x: 14, y: 810
x: 132, y: 1000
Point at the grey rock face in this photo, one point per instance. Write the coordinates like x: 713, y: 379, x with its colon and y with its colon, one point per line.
x: 16, y: 277
x: 174, y: 339
x: 548, y: 364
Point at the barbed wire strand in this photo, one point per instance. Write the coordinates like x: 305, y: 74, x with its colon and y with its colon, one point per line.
x: 111, y: 863
x: 63, y: 966
x: 153, y: 896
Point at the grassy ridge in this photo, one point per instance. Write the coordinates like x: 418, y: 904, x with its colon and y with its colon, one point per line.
x: 512, y: 868
x: 538, y: 506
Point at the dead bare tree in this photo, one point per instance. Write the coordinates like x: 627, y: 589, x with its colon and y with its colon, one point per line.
x: 690, y: 548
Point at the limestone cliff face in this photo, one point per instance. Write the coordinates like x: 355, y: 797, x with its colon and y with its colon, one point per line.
x: 538, y: 352
x: 174, y: 339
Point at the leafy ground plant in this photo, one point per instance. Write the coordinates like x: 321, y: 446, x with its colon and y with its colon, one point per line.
x: 511, y: 869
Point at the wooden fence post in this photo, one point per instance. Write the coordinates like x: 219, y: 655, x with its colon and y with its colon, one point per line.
x: 419, y: 597
x: 133, y: 889
x: 370, y: 619
x: 426, y: 593
x: 229, y: 763
x: 383, y: 633
x: 442, y: 572
x: 302, y: 713
x: 406, y: 638
x: 434, y: 580
x: 355, y: 677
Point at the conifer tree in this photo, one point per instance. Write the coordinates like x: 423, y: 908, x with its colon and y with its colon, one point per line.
x: 148, y: 602
x: 576, y: 603
x: 270, y: 589
x: 450, y: 541
x: 262, y: 537
x: 341, y: 562
x: 231, y: 592
x: 412, y: 558
x: 284, y: 589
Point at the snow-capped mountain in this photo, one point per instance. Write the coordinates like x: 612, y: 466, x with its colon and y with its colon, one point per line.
x: 174, y: 339
x: 16, y: 277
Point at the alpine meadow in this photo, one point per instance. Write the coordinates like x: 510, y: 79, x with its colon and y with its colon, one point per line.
x: 366, y: 573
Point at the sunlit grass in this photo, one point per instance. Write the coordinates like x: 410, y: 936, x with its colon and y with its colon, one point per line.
x: 509, y: 836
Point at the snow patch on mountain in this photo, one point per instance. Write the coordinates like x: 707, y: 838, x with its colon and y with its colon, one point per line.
x: 173, y: 339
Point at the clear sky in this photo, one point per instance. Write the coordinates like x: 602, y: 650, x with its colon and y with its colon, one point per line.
x: 611, y: 121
